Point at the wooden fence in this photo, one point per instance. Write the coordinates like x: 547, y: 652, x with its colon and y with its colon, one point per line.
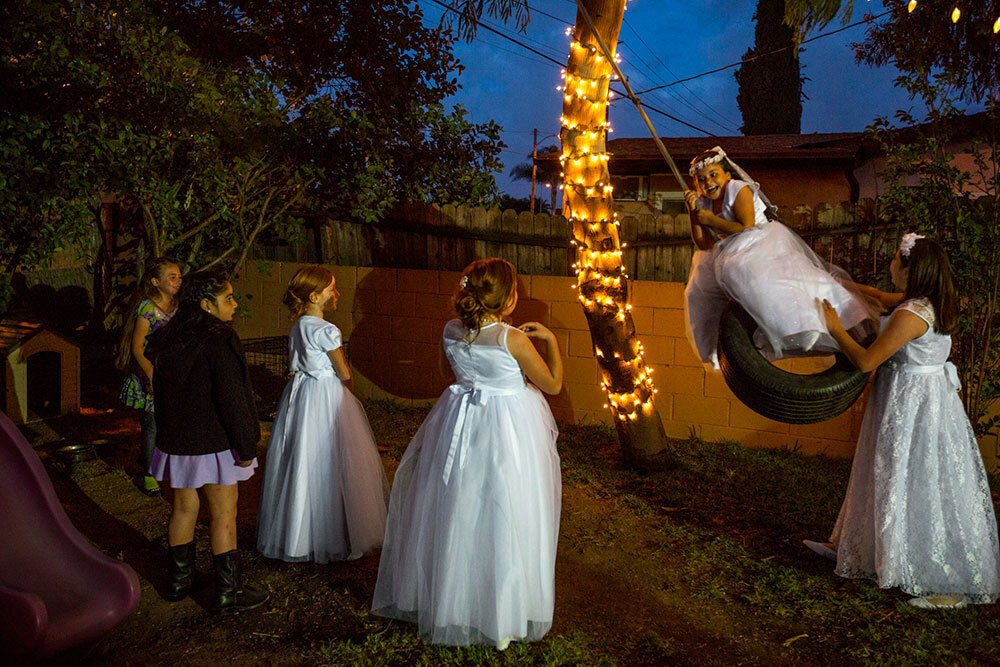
x: 418, y: 236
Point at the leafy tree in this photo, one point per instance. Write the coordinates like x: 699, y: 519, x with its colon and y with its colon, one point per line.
x: 945, y: 65
x: 770, y: 85
x: 930, y: 192
x: 364, y: 83
x: 962, y: 55
x: 213, y: 123
x: 522, y: 204
x: 523, y: 171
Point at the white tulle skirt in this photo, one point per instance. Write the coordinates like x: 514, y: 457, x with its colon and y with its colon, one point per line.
x: 778, y: 279
x: 470, y: 543
x: 325, y: 492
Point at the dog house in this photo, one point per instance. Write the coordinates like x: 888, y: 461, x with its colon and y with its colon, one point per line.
x: 41, y: 372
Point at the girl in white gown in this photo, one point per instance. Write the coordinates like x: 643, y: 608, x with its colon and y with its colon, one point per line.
x: 918, y: 513
x: 324, y: 495
x: 760, y: 263
x: 470, y: 543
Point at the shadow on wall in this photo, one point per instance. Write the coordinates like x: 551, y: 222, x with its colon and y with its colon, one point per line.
x: 396, y: 340
x: 64, y: 309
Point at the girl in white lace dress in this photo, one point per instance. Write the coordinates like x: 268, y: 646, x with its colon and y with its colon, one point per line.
x: 470, y: 543
x: 324, y: 494
x: 918, y: 513
x: 760, y: 263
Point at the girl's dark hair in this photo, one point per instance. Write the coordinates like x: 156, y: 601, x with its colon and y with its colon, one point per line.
x: 488, y: 285
x: 190, y: 319
x: 931, y: 278
x: 144, y: 290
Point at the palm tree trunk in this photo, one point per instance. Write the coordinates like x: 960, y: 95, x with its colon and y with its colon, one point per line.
x: 588, y: 204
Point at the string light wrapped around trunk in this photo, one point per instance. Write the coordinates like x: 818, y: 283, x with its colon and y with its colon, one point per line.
x: 602, y: 284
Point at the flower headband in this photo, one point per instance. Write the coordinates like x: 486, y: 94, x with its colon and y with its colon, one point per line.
x: 719, y: 156
x: 906, y: 245
x: 463, y: 282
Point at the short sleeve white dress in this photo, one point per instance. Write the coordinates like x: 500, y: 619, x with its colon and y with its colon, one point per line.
x: 470, y: 542
x: 776, y: 277
x: 918, y: 513
x: 325, y: 492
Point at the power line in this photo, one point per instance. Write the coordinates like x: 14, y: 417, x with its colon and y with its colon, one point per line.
x: 561, y: 65
x: 763, y: 55
x: 654, y: 78
x: 651, y: 76
x: 664, y: 65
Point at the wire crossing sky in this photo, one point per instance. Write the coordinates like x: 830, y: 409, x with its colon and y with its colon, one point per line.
x: 660, y: 43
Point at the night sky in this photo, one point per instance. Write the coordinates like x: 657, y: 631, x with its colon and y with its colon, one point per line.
x: 517, y: 88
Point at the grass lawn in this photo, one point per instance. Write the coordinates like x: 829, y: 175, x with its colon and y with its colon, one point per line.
x: 700, y: 564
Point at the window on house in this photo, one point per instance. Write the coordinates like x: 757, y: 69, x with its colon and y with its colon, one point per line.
x: 629, y: 188
x: 670, y: 202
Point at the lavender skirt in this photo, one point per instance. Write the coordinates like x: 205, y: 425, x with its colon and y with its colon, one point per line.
x: 193, y: 472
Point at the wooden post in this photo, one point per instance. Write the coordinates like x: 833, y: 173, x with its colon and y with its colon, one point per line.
x: 534, y: 168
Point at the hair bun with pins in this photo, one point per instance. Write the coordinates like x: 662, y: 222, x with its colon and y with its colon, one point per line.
x: 485, y: 289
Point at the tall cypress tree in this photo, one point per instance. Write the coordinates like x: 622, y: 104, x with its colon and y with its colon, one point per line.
x: 770, y: 87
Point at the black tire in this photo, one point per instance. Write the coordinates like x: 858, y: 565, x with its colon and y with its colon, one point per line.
x: 777, y: 394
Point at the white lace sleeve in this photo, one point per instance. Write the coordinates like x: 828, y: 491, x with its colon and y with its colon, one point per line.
x: 922, y: 308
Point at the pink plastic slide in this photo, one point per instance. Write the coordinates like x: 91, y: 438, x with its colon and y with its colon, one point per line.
x: 57, y: 591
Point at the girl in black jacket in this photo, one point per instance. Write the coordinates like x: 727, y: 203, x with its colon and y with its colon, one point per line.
x: 206, y: 432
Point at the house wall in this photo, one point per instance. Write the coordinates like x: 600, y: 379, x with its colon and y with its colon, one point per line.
x: 870, y: 185
x: 392, y: 320
x: 786, y: 184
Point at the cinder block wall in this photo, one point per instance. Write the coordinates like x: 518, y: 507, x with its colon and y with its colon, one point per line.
x: 392, y: 320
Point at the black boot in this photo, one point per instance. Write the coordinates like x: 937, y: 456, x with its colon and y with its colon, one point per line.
x: 180, y: 569
x: 230, y: 594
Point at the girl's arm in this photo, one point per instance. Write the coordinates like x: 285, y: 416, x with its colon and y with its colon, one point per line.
x: 903, y: 327
x: 742, y: 207
x: 138, y: 344
x: 888, y: 300
x: 699, y: 233
x: 340, y: 367
x: 547, y: 375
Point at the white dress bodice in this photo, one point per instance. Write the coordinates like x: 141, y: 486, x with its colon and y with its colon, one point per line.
x: 308, y: 343
x: 729, y: 192
x: 929, y: 349
x: 482, y: 360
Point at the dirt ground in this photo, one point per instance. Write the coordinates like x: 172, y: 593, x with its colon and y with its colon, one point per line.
x: 692, y: 566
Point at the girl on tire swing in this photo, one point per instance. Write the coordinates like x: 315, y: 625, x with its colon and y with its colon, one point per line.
x: 746, y: 255
x: 918, y: 513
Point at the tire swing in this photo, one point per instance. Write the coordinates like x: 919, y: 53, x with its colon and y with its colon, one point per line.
x: 775, y: 393
x: 763, y: 387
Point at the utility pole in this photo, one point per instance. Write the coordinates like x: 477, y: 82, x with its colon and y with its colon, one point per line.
x: 534, y: 169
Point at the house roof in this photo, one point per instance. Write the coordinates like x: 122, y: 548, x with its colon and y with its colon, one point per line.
x: 628, y: 154
x: 764, y: 146
x: 14, y: 332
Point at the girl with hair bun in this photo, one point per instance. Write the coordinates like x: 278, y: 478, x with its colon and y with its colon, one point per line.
x: 470, y: 541
x: 918, y: 513
x: 324, y: 494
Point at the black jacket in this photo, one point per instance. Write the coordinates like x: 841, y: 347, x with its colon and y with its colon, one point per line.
x: 204, y: 401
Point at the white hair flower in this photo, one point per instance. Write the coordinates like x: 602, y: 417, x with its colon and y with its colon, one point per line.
x: 463, y: 282
x: 719, y: 156
x: 906, y: 245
